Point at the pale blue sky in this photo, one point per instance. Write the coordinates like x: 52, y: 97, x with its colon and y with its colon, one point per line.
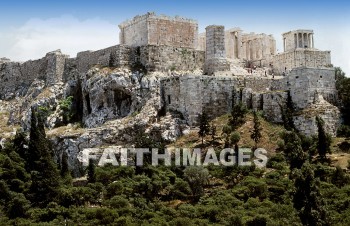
x: 29, y: 29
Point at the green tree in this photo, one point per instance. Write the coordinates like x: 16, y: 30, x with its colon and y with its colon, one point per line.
x: 213, y: 133
x: 287, y: 111
x: 292, y: 149
x: 226, y: 131
x: 234, y: 138
x: 339, y: 177
x: 204, y: 126
x: 17, y: 206
x: 197, y: 178
x: 67, y: 110
x: 343, y: 88
x: 91, y: 174
x: 44, y: 173
x: 237, y: 116
x: 324, y: 139
x: 307, y: 199
x: 256, y: 133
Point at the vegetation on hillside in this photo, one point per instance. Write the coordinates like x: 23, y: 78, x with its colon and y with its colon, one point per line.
x: 299, y: 186
x: 36, y: 191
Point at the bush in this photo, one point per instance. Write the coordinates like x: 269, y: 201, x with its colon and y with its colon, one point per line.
x: 343, y: 131
x: 119, y: 202
x: 344, y: 146
x: 18, y: 206
x: 66, y: 107
x: 197, y: 178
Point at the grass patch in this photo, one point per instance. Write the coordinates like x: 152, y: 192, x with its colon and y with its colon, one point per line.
x: 65, y: 131
x: 269, y: 141
x: 5, y: 129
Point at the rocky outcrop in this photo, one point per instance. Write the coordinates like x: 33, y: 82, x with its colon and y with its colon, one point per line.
x: 116, y: 132
x: 330, y: 114
x: 112, y: 94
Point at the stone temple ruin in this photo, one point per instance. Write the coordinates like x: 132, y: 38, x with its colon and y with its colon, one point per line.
x: 237, y: 67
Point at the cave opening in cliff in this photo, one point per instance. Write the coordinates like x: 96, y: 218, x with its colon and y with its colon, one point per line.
x: 122, y: 102
x: 88, y: 104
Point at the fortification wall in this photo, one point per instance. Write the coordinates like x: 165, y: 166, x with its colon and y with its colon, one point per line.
x: 165, y: 58
x: 284, y: 62
x: 272, y: 102
x: 104, y: 57
x: 16, y: 77
x: 150, y: 57
x: 150, y: 29
x: 303, y: 83
x: 134, y: 32
x: 191, y: 95
x: 172, y: 32
x: 258, y: 84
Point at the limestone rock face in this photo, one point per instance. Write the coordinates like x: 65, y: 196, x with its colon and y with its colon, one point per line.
x: 120, y: 132
x: 306, y: 122
x: 42, y: 98
x: 114, y: 94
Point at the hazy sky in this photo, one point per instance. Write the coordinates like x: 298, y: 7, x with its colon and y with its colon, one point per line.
x: 30, y: 29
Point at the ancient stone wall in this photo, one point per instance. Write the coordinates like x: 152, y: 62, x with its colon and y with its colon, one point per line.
x: 112, y: 56
x: 134, y: 32
x: 104, y: 57
x: 191, y: 95
x: 272, y: 102
x: 151, y: 29
x: 56, y: 64
x: 303, y: 83
x: 16, y: 77
x: 284, y: 62
x: 151, y: 58
x: 167, y: 58
x: 215, y: 54
x: 201, y: 45
x: 260, y: 84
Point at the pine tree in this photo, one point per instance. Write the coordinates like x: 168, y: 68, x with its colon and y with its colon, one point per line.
x: 307, y: 199
x: 324, y: 139
x: 234, y: 138
x: 91, y: 177
x: 226, y: 131
x: 64, y: 165
x: 237, y: 116
x: 213, y: 133
x: 293, y: 150
x: 204, y: 127
x: 44, y: 173
x: 287, y: 112
x: 256, y: 133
